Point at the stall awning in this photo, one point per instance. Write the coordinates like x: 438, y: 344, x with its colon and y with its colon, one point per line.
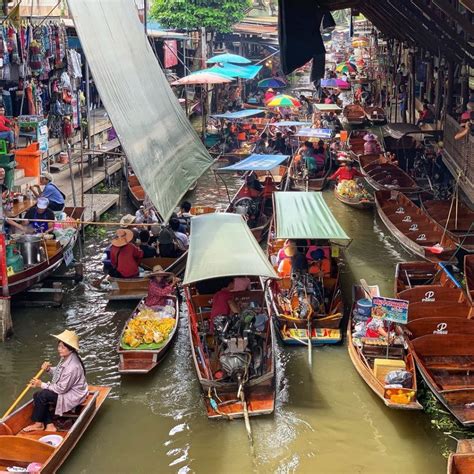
x: 234, y: 71
x: 291, y: 123
x: 315, y: 133
x: 327, y: 107
x: 241, y: 114
x: 222, y: 245
x: 257, y: 163
x: 300, y: 215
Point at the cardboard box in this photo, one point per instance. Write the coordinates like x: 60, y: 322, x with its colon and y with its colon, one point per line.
x: 383, y: 366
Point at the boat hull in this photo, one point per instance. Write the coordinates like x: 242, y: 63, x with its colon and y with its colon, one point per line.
x: 356, y: 204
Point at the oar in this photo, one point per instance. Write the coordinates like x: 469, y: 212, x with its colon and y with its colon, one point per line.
x: 22, y: 394
x: 366, y: 288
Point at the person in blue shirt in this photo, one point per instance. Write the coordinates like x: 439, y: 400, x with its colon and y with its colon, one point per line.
x: 50, y: 191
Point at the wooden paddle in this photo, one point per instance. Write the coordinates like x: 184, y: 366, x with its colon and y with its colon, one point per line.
x: 22, y: 394
x: 366, y: 288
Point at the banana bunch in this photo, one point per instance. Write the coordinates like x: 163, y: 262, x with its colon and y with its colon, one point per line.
x: 147, y: 328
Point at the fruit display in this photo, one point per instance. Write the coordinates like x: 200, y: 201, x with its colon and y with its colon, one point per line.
x: 349, y: 189
x: 147, y: 328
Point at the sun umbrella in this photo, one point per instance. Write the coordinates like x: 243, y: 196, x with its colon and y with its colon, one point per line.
x: 228, y: 58
x: 284, y: 100
x: 360, y: 42
x: 347, y: 67
x: 202, y: 77
x: 335, y: 83
x: 271, y: 82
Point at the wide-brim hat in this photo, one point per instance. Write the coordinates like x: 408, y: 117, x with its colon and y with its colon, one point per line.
x: 370, y: 137
x: 68, y: 337
x: 47, y: 176
x: 126, y: 220
x: 123, y: 237
x: 158, y: 271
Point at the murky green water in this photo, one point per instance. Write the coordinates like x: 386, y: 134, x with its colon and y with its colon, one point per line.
x: 326, y: 420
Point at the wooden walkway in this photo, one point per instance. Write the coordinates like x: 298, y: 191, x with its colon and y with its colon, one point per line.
x: 98, y: 204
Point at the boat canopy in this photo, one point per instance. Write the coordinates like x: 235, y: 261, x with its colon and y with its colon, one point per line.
x: 399, y: 130
x: 241, y: 114
x: 257, y: 163
x: 315, y: 133
x: 305, y: 215
x: 291, y: 123
x: 327, y: 107
x: 234, y: 71
x: 221, y: 245
x: 159, y: 141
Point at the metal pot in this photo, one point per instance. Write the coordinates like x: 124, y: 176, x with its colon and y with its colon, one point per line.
x: 30, y: 249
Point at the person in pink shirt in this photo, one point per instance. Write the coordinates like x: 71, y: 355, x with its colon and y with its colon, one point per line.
x: 223, y: 303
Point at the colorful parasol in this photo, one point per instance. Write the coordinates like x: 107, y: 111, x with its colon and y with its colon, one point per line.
x: 335, y: 83
x: 272, y: 82
x: 202, y: 77
x: 228, y: 58
x: 346, y: 67
x: 360, y: 42
x: 284, y: 100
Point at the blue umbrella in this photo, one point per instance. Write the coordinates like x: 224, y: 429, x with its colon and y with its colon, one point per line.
x: 228, y: 58
x: 272, y: 82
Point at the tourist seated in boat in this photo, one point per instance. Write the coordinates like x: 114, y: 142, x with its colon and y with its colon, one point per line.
x: 171, y: 242
x: 184, y: 215
x: 426, y: 115
x: 253, y: 132
x: 296, y: 251
x: 319, y: 260
x: 125, y: 256
x: 252, y: 182
x: 162, y: 285
x: 148, y: 250
x: 36, y: 214
x: 67, y: 389
x: 345, y: 171
x: 223, y: 302
x: 241, y: 137
x: 181, y: 237
x: 278, y: 144
x: 145, y: 216
x: 50, y: 191
x: 262, y: 146
x: 371, y: 145
x: 231, y: 143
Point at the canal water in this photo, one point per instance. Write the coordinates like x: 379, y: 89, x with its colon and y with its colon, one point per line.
x: 326, y: 419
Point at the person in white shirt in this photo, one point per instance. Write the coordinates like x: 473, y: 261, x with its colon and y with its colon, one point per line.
x: 145, y: 216
x: 182, y: 238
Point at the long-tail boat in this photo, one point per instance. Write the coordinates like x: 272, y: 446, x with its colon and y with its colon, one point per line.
x: 446, y: 363
x: 310, y: 307
x: 235, y: 363
x: 412, y: 228
x: 461, y: 220
x: 354, y: 114
x: 55, y: 253
x: 20, y: 449
x: 359, y: 201
x: 462, y: 461
x: 385, y: 176
x: 366, y: 354
x: 254, y: 198
x: 143, y: 357
x: 135, y: 190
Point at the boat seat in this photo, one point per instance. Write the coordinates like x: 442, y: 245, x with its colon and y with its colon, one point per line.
x: 450, y: 368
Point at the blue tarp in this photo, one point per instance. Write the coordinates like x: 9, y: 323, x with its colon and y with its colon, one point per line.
x: 257, y: 163
x: 315, y: 132
x: 233, y: 71
x: 291, y: 123
x: 240, y: 114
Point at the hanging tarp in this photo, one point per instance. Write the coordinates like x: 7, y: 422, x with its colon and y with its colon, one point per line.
x: 158, y: 139
x: 241, y: 114
x: 300, y: 215
x: 327, y: 107
x: 257, y: 163
x: 315, y: 133
x: 223, y: 245
x: 234, y: 71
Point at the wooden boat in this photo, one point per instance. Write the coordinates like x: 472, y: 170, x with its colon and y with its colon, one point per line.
x: 312, y: 304
x: 462, y: 461
x: 301, y: 181
x: 354, y: 114
x: 137, y: 288
x: 461, y: 219
x: 18, y: 448
x: 365, y: 351
x: 412, y: 228
x: 236, y: 369
x: 469, y: 276
x: 446, y: 363
x: 55, y: 255
x: 143, y: 360
x: 135, y: 190
x: 357, y: 202
x: 385, y: 176
x: 376, y: 115
x: 439, y: 325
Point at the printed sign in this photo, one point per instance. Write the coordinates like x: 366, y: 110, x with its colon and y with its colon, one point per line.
x: 68, y: 257
x: 390, y: 309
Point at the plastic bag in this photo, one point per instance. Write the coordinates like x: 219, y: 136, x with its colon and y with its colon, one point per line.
x: 399, y: 377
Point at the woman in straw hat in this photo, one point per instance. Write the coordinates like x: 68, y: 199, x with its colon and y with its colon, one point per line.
x: 125, y: 257
x: 67, y: 389
x: 162, y: 284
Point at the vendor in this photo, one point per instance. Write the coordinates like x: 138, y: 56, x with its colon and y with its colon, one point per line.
x: 68, y: 388
x: 371, y: 145
x: 162, y: 284
x: 345, y: 171
x: 6, y: 132
x: 223, y: 303
x: 36, y: 214
x: 125, y: 257
x: 50, y: 191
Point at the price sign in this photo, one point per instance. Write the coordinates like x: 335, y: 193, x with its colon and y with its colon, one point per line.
x: 68, y: 257
x: 390, y: 309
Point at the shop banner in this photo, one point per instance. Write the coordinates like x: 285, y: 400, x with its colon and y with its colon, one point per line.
x: 390, y: 309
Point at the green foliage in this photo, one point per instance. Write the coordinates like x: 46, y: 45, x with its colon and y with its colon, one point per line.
x: 216, y: 15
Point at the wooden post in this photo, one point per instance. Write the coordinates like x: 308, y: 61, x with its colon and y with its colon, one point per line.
x: 438, y: 83
x: 429, y: 80
x: 449, y: 88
